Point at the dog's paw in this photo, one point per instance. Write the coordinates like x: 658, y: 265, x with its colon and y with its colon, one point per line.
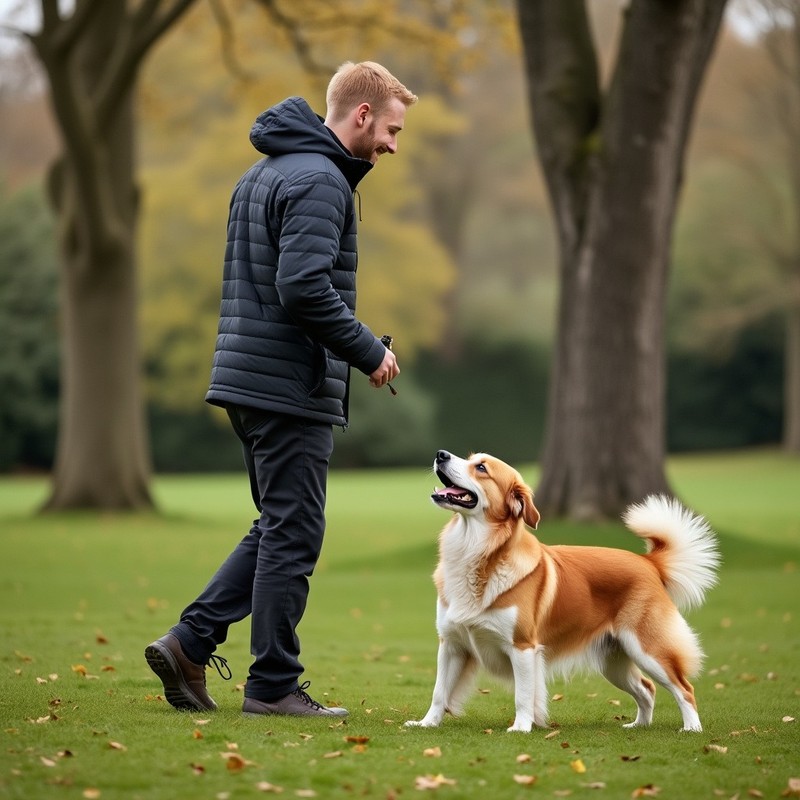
x: 693, y: 728
x: 520, y: 727
x: 421, y: 723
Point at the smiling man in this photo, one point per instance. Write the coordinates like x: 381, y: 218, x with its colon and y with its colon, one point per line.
x: 287, y: 338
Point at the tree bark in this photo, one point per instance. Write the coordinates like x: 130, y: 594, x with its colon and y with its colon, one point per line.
x: 613, y: 166
x: 91, y: 56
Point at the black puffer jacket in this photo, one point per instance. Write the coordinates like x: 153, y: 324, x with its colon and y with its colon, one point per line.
x: 287, y: 330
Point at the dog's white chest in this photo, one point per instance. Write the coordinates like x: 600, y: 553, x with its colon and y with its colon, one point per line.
x: 487, y: 635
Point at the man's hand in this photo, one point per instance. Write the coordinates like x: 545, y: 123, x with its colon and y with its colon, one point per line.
x: 387, y: 371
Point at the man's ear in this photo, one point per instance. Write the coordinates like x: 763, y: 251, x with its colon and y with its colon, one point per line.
x: 361, y: 114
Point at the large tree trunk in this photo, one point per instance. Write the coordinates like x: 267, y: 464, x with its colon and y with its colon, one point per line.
x: 613, y: 169
x: 91, y: 55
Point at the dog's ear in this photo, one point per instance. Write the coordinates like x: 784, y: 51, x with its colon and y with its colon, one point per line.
x: 520, y: 501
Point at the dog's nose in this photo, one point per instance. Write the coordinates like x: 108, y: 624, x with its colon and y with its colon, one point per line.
x: 442, y: 455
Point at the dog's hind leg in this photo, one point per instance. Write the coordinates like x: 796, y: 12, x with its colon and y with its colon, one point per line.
x: 454, y: 670
x: 624, y: 674
x: 668, y: 662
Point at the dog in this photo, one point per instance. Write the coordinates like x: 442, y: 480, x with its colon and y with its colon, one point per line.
x: 524, y: 610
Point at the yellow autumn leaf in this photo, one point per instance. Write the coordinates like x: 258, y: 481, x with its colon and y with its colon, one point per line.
x: 525, y: 780
x: 197, y: 734
x: 578, y: 766
x: 91, y: 794
x: 423, y: 782
x: 80, y: 669
x: 270, y: 788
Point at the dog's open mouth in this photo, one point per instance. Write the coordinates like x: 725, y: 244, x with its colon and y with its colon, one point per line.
x: 452, y: 495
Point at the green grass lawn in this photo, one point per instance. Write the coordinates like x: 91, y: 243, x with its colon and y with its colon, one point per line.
x: 81, y: 595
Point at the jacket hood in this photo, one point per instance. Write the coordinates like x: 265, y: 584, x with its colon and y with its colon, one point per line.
x: 292, y: 127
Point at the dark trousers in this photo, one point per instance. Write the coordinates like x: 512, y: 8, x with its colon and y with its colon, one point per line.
x: 267, y: 574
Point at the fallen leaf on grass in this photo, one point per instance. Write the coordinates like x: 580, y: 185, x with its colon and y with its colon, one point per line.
x: 197, y: 734
x: 117, y: 746
x: 91, y: 794
x: 556, y: 697
x: 357, y: 739
x: 523, y: 758
x: 198, y: 769
x: 432, y: 752
x: 235, y: 763
x: 305, y: 793
x: 334, y: 754
x: 715, y: 748
x: 48, y: 762
x: 270, y: 788
x: 578, y: 766
x: 646, y: 791
x: 792, y: 789
x: 630, y: 758
x: 552, y: 734
x: 80, y: 669
x: 562, y: 792
x: 754, y: 793
x: 423, y: 782
x: 594, y: 785
x: 525, y: 780
x: 787, y: 719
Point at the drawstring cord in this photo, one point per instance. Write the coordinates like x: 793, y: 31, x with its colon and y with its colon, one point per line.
x: 357, y: 196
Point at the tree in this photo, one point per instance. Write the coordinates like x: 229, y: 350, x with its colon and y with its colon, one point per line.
x: 91, y: 56
x: 612, y: 161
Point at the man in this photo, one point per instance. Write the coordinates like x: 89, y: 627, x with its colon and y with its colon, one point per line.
x: 288, y: 336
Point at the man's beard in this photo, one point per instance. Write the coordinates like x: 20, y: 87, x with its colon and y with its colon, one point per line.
x: 364, y: 145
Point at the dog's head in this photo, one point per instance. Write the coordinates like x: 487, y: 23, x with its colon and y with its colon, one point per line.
x: 483, y: 486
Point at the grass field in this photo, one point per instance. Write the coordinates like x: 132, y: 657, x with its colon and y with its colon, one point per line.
x: 81, y: 595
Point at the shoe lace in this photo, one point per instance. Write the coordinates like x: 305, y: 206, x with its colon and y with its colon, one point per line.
x: 300, y: 692
x: 221, y: 665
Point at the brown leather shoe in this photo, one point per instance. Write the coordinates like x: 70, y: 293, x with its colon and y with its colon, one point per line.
x: 184, y: 682
x: 296, y: 704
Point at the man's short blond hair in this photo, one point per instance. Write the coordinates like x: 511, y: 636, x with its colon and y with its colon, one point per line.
x: 365, y: 82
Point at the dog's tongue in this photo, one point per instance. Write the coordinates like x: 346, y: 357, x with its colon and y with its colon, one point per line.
x: 450, y: 490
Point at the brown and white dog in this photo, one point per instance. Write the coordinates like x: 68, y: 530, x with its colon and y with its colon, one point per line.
x: 524, y: 610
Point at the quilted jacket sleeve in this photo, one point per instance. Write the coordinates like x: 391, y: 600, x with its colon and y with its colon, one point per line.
x: 313, y: 213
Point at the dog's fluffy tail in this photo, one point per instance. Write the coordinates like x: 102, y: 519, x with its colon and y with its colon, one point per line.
x: 680, y: 543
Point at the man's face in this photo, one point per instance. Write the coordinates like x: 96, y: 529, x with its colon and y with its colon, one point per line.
x: 378, y: 134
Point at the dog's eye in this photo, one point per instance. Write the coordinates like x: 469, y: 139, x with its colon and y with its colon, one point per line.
x: 481, y: 468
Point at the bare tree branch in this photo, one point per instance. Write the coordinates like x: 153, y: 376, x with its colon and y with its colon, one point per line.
x: 225, y: 25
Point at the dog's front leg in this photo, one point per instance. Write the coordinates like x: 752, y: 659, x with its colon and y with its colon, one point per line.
x: 450, y: 663
x: 530, y: 688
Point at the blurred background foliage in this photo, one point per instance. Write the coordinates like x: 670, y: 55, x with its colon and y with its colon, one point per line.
x: 457, y: 256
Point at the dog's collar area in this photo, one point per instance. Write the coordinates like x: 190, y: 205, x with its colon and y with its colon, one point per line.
x: 452, y: 495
